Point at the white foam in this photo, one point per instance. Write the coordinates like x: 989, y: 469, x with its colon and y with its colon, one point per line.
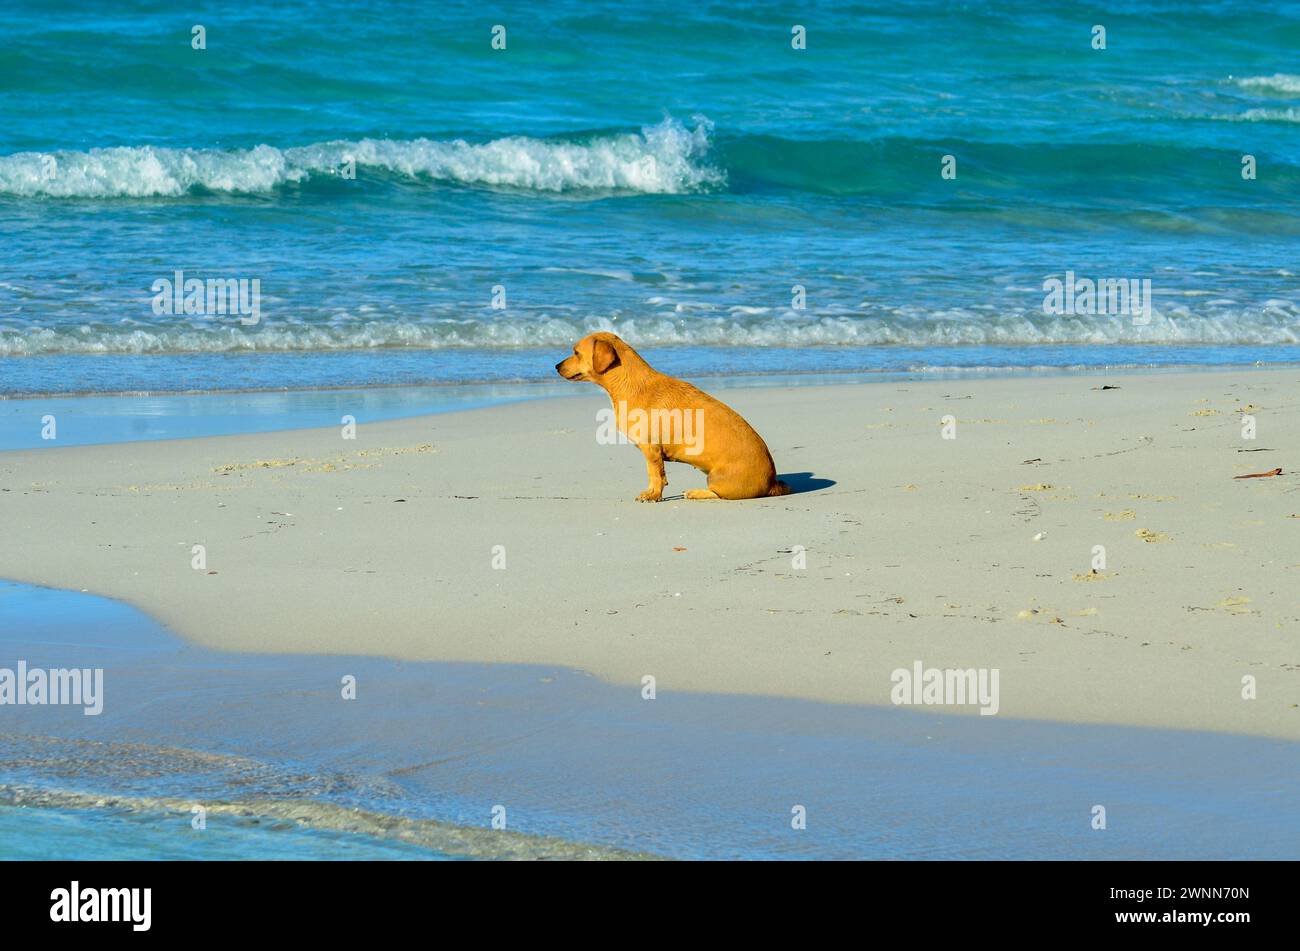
x: 1272, y: 323
x: 667, y: 158
x: 1267, y: 115
x: 1279, y: 82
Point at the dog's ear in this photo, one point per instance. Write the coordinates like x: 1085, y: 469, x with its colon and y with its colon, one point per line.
x: 603, y: 356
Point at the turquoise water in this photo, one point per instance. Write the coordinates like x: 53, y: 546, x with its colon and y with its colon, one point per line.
x: 669, y: 172
x: 70, y: 834
x: 418, y: 763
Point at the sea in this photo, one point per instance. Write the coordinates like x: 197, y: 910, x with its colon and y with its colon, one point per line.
x: 450, y: 193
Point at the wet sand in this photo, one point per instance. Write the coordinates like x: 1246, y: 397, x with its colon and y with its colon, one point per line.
x: 429, y: 753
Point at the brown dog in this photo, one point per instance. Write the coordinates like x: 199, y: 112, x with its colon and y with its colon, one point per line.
x: 671, y: 420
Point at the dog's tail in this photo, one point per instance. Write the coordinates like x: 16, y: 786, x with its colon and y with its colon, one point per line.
x: 779, y: 488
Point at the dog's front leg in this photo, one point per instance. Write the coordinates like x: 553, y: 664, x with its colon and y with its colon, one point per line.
x: 654, y: 467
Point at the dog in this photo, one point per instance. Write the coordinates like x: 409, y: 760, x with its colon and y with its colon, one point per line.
x: 702, y: 431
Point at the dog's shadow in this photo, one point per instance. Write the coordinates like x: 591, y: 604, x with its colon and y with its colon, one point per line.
x: 801, y: 482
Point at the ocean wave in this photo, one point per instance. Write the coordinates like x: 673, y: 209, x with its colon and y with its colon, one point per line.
x: 1291, y: 114
x: 1276, y: 322
x: 458, y: 840
x: 1286, y: 83
x: 667, y: 158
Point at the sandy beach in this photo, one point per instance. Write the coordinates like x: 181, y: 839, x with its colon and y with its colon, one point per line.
x: 973, y: 551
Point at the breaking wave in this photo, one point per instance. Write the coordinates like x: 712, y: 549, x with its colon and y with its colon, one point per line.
x: 1274, y: 322
x: 667, y: 158
x: 1284, y: 83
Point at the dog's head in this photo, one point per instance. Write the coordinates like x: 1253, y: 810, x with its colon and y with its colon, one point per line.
x: 593, y: 356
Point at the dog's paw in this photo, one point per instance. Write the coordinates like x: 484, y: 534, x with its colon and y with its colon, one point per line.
x: 648, y: 496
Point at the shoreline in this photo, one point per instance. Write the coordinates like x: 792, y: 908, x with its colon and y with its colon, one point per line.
x: 733, y: 380
x: 108, y: 418
x: 918, y: 549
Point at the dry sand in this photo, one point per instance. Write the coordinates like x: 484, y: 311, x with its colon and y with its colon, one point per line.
x: 923, y: 548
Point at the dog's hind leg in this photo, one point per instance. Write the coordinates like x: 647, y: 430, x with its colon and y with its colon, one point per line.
x: 731, y: 484
x: 700, y: 494
x: 654, y: 467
